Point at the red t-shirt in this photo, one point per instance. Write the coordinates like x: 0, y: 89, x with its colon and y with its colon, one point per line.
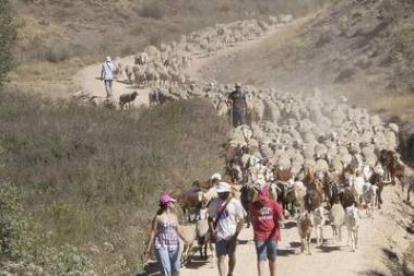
x: 265, y: 215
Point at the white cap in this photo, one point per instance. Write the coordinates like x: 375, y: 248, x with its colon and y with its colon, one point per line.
x: 108, y: 58
x: 223, y: 187
x: 216, y: 176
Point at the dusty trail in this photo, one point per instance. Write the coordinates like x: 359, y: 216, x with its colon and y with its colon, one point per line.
x: 376, y: 236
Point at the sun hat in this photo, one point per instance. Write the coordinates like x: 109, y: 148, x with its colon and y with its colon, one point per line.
x: 223, y: 187
x: 216, y: 176
x: 108, y: 58
x: 165, y: 198
x: 237, y: 84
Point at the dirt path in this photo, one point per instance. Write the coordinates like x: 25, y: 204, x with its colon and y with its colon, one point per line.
x: 377, y: 237
x: 89, y: 81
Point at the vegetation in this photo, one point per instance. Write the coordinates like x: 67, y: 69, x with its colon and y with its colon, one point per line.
x: 88, y: 178
x: 7, y: 37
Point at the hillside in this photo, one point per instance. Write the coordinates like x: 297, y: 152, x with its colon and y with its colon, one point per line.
x: 362, y: 49
x: 57, y: 38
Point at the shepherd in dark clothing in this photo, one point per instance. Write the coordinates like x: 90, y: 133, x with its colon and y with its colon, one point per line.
x: 239, y: 105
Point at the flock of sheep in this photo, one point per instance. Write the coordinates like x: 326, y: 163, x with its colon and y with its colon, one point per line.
x: 166, y: 64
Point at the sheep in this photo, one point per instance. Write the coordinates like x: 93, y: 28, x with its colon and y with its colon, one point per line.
x: 119, y: 70
x: 203, y: 237
x: 318, y: 223
x: 351, y: 222
x: 127, y: 99
x: 305, y: 226
x: 369, y: 196
x: 128, y: 73
x: 337, y: 217
x: 193, y: 233
x: 190, y: 235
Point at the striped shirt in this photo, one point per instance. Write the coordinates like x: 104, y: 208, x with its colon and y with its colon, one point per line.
x: 166, y: 237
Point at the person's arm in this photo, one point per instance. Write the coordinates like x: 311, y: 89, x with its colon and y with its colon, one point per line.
x: 181, y: 234
x: 211, y: 229
x: 278, y: 215
x: 240, y: 213
x: 103, y: 72
x: 240, y: 226
x: 152, y: 236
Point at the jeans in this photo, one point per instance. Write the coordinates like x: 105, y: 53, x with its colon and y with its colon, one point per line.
x: 108, y: 88
x: 266, y: 250
x: 168, y: 261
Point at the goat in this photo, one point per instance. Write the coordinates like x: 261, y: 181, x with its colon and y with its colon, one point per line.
x: 352, y: 223
x: 305, y: 226
x: 126, y: 99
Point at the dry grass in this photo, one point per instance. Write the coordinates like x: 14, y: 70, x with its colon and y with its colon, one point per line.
x: 400, y: 105
x: 90, y: 176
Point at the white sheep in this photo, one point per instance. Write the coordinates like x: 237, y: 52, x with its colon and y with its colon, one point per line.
x: 337, y: 217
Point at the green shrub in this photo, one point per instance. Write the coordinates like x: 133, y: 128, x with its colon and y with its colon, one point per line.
x: 7, y: 37
x: 26, y: 248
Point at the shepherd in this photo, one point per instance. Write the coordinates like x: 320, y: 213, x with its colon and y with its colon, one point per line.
x: 107, y: 75
x: 237, y: 100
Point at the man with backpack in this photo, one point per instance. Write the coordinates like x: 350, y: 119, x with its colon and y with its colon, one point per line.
x: 107, y: 75
x: 226, y: 220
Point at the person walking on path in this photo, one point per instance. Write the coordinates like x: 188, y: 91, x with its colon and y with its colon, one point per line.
x: 226, y: 220
x: 165, y: 234
x: 238, y: 102
x: 107, y: 75
x: 267, y: 216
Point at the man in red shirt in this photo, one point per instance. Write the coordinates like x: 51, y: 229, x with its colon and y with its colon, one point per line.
x: 267, y: 216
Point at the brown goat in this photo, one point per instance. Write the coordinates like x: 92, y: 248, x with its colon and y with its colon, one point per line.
x: 127, y: 99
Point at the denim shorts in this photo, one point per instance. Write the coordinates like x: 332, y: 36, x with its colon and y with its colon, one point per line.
x: 266, y: 250
x: 225, y: 247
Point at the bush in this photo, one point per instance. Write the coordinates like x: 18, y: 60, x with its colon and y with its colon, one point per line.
x: 403, y: 43
x: 7, y: 37
x: 152, y: 9
x: 57, y: 53
x: 26, y: 248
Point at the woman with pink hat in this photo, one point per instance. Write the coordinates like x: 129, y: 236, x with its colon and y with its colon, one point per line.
x: 165, y: 232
